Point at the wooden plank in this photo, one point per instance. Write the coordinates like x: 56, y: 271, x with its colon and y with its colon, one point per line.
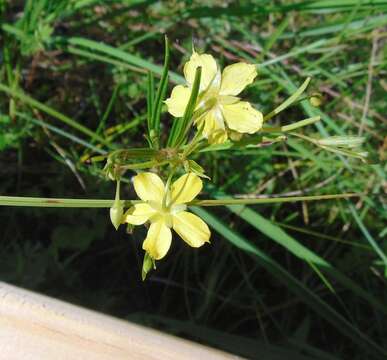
x: 36, y: 327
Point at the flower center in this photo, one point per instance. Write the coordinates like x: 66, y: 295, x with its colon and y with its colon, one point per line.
x: 169, y: 209
x: 207, y: 103
x: 165, y: 213
x: 176, y: 208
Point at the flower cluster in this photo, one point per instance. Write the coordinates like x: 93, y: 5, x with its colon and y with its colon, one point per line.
x: 219, y: 114
x: 209, y: 101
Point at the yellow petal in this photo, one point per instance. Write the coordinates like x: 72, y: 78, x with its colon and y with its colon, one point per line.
x: 214, y: 129
x: 191, y: 228
x: 209, y: 69
x: 186, y: 188
x: 236, y: 77
x: 227, y: 99
x: 149, y: 186
x: 139, y: 214
x: 178, y: 101
x: 158, y: 240
x: 242, y: 117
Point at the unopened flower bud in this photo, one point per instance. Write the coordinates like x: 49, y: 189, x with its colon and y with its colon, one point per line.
x: 316, y: 100
x: 117, y: 210
x: 342, y: 141
x: 147, y: 265
x: 116, y: 213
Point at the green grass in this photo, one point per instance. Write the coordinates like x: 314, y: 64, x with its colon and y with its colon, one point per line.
x: 304, y: 280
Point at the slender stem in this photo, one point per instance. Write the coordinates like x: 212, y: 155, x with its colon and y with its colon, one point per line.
x: 117, y: 198
x: 193, y: 144
x: 291, y: 127
x: 189, y: 110
x: 230, y: 201
x: 289, y: 101
x: 99, y: 203
x: 304, y: 137
x: 59, y: 203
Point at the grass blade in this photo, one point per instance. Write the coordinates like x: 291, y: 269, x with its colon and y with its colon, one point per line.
x: 295, y: 286
x: 158, y: 100
x: 290, y: 100
x: 116, y: 53
x: 186, y: 120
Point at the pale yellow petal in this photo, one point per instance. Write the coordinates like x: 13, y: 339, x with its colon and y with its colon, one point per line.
x: 139, y: 214
x: 242, y: 117
x: 227, y: 99
x: 178, y: 101
x: 214, y: 128
x: 191, y: 228
x: 158, y: 240
x: 209, y: 69
x: 186, y: 188
x: 149, y: 187
x: 236, y: 77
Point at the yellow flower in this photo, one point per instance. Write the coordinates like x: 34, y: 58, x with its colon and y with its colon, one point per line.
x: 223, y: 110
x: 165, y: 209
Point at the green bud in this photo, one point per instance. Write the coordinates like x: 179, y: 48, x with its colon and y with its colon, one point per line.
x: 129, y: 228
x: 147, y: 265
x: 117, y: 210
x: 196, y: 169
x: 109, y: 170
x: 342, y: 141
x: 116, y: 213
x: 316, y: 100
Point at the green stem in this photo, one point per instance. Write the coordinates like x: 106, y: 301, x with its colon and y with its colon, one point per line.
x: 289, y: 101
x: 117, y: 198
x: 61, y: 203
x: 291, y: 127
x: 99, y: 203
x: 304, y: 137
x: 193, y: 144
x: 231, y: 201
x: 186, y: 120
